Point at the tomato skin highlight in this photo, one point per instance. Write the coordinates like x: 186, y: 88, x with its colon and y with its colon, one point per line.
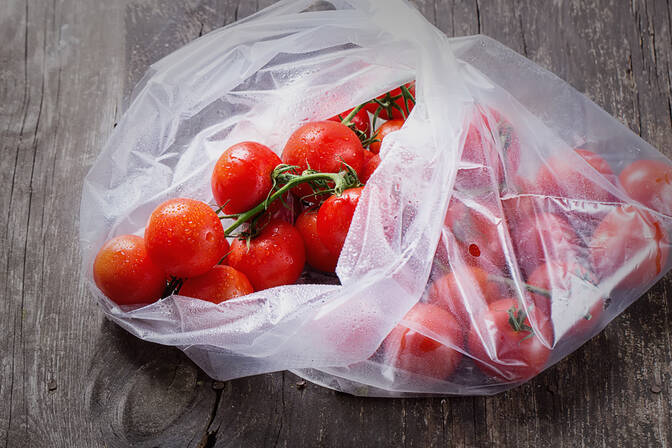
x: 520, y: 355
x: 124, y: 272
x: 414, y: 352
x: 317, y: 254
x: 371, y: 166
x: 649, y: 182
x: 219, y: 284
x: 622, y: 235
x: 360, y: 120
x: 382, y: 132
x: 323, y: 146
x: 185, y: 237
x: 334, y: 218
x: 275, y: 257
x: 241, y: 178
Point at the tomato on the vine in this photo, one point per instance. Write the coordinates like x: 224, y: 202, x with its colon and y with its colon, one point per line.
x: 649, y: 182
x: 317, y: 254
x: 125, y: 274
x: 275, y: 256
x: 323, y: 146
x: 386, y: 128
x: 360, y: 120
x: 518, y: 352
x: 426, y: 342
x: 334, y: 218
x: 241, y: 178
x: 396, y: 97
x: 371, y: 166
x: 219, y: 284
x: 185, y: 237
x: 629, y: 243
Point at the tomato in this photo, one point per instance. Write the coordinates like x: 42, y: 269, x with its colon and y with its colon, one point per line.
x: 454, y: 292
x: 185, y: 238
x: 649, y: 182
x: 334, y: 217
x: 275, y: 257
x: 217, y: 285
x: 323, y: 146
x: 558, y: 176
x: 396, y: 113
x: 241, y: 178
x: 371, y: 166
x: 422, y: 343
x: 558, y: 278
x: 124, y: 272
x: 360, y: 121
x: 630, y: 245
x: 287, y: 209
x: 476, y: 230
x: 386, y: 128
x: 518, y: 352
x: 317, y: 255
x: 540, y: 238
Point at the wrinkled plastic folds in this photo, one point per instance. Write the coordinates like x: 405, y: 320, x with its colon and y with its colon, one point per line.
x: 300, y: 60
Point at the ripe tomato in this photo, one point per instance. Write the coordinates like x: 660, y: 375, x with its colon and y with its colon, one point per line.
x: 558, y: 177
x: 217, y: 285
x: 370, y: 167
x: 360, y: 121
x: 242, y: 176
x: 317, y: 255
x: 396, y: 113
x: 275, y: 257
x: 540, y: 238
x: 323, y: 146
x: 454, y: 292
x: 558, y: 278
x: 518, y: 352
x: 476, y: 230
x: 387, y: 128
x: 422, y: 343
x: 125, y: 274
x: 649, y: 182
x: 334, y: 217
x: 631, y: 245
x: 185, y: 238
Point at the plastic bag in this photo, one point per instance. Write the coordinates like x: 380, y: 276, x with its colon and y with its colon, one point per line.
x: 456, y: 217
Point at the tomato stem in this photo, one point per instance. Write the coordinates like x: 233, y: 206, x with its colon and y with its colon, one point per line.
x: 512, y: 283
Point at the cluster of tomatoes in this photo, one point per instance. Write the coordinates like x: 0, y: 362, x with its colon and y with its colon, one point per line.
x: 570, y: 240
x: 502, y: 259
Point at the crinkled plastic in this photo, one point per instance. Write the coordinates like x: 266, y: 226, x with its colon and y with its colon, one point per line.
x: 458, y: 189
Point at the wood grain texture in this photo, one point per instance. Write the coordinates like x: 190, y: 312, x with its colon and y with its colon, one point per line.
x: 70, y: 378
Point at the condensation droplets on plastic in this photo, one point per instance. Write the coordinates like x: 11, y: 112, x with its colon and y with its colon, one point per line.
x: 509, y: 221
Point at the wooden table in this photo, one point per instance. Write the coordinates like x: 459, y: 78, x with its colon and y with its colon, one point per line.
x: 71, y: 378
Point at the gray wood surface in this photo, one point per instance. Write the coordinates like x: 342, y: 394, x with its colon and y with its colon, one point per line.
x: 70, y: 378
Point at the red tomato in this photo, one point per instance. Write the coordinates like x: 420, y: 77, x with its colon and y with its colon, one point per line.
x: 422, y: 343
x: 396, y: 113
x: 286, y: 209
x: 242, y: 176
x: 446, y: 292
x: 360, y: 120
x: 540, y: 238
x: 559, y: 177
x: 185, y: 237
x: 631, y: 245
x: 217, y: 285
x: 323, y: 146
x: 317, y: 255
x: 518, y: 352
x: 476, y: 231
x: 334, y: 217
x: 649, y: 182
x: 275, y: 257
x: 370, y: 167
x: 557, y: 278
x: 124, y: 272
x: 382, y: 131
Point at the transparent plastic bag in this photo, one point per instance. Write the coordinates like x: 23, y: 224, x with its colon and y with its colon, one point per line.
x: 456, y: 217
